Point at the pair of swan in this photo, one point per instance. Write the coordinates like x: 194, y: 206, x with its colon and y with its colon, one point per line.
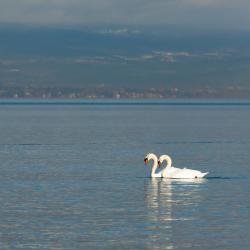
x: 169, y: 171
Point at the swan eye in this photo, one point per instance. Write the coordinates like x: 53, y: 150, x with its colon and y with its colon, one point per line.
x: 146, y: 160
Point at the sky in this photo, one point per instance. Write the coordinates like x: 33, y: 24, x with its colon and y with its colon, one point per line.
x: 200, y: 14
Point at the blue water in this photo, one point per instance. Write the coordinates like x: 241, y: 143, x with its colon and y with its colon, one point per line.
x: 72, y: 176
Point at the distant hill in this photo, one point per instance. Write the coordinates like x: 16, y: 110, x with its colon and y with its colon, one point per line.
x: 120, y: 57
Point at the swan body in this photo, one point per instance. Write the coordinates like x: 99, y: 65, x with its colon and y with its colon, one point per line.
x: 178, y: 173
x: 154, y: 158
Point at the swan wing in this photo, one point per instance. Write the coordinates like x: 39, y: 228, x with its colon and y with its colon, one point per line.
x: 184, y: 173
x: 194, y: 173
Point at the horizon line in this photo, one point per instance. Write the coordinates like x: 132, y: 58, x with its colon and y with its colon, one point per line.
x: 127, y: 102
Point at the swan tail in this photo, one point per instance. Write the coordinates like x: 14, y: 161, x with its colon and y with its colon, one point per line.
x: 203, y: 174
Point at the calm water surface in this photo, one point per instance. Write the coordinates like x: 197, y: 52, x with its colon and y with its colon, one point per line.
x: 73, y: 177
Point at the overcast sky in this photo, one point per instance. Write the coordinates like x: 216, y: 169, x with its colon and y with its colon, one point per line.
x: 201, y: 14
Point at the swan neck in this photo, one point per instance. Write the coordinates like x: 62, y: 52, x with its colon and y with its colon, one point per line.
x: 154, y: 167
x: 168, y: 160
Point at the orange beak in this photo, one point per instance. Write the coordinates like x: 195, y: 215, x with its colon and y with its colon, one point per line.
x: 146, y: 160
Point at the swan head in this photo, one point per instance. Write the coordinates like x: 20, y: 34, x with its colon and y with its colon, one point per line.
x: 149, y: 156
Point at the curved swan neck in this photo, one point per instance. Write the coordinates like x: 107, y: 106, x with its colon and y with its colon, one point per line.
x: 167, y: 159
x: 154, y: 167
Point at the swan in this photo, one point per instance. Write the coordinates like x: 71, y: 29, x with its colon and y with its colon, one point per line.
x: 154, y: 158
x: 178, y: 173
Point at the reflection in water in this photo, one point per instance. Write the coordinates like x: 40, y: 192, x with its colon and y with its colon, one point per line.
x: 167, y: 200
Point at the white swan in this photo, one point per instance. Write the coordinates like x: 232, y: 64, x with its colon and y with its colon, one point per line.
x: 154, y: 158
x: 177, y: 173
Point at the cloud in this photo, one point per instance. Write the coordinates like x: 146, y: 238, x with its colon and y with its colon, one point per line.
x: 228, y: 14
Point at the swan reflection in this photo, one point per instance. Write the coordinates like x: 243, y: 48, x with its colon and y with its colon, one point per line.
x: 169, y: 203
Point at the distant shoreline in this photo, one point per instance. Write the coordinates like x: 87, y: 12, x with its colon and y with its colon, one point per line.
x: 126, y: 102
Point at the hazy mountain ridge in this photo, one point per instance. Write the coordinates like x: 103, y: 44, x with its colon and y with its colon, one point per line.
x: 122, y: 58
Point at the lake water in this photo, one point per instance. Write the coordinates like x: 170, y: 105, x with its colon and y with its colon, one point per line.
x: 73, y: 177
